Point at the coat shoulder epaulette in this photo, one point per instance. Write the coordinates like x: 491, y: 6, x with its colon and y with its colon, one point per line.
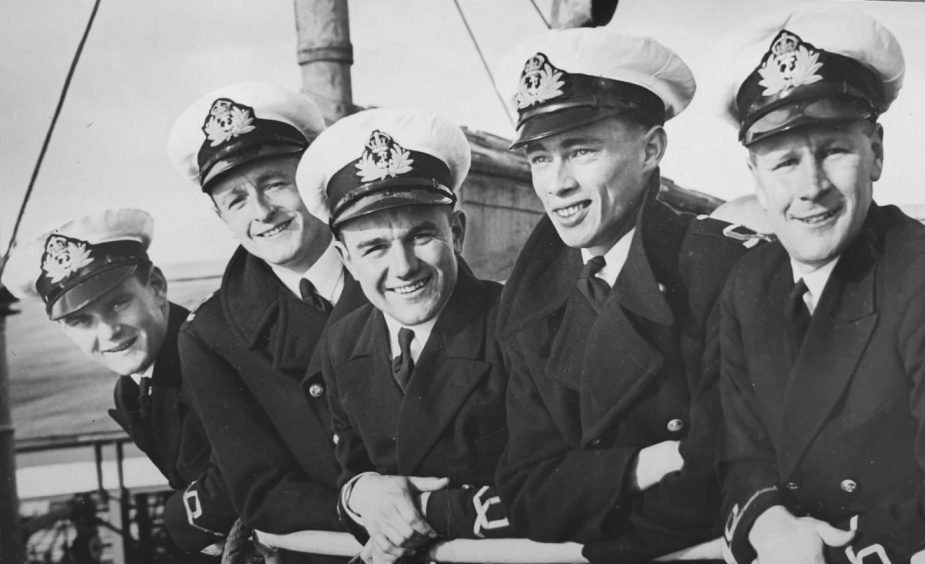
x: 193, y: 310
x: 704, y: 225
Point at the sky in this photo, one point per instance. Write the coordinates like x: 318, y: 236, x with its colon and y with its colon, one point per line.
x: 146, y: 61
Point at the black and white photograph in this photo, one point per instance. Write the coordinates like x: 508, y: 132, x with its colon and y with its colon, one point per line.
x: 462, y: 281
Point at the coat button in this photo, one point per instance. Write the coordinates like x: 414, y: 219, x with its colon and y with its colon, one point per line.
x: 675, y: 425
x: 316, y: 390
x: 595, y: 443
x: 849, y: 486
x: 793, y: 486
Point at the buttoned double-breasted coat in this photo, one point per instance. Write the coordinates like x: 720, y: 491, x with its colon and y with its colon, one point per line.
x: 835, y: 430
x: 589, y: 390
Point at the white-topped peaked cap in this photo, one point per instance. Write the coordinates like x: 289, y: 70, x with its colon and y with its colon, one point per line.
x: 563, y: 79
x: 382, y: 158
x: 240, y: 123
x: 815, y: 64
x: 72, y: 264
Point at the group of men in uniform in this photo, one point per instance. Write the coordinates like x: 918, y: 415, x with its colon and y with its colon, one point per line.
x: 645, y: 382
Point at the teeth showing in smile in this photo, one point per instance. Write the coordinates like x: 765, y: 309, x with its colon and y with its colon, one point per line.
x: 402, y: 290
x: 819, y: 217
x: 278, y: 229
x: 121, y: 347
x: 571, y: 210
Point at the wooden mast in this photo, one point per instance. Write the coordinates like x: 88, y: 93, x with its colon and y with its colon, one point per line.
x: 325, y: 54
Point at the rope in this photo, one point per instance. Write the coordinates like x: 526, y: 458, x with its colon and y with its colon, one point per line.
x: 51, y: 129
x: 540, y: 13
x: 484, y: 63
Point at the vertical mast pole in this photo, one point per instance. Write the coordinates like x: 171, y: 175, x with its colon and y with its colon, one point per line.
x: 11, y: 545
x: 325, y: 54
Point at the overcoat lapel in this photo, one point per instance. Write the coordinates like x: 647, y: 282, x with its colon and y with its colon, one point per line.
x: 623, y: 355
x: 445, y: 374
x: 366, y: 378
x: 165, y: 394
x: 775, y: 371
x: 126, y: 415
x: 836, y: 338
x: 274, y: 324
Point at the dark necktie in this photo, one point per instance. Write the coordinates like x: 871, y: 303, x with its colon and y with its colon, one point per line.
x: 797, y: 316
x: 311, y: 296
x: 403, y: 364
x: 144, y: 397
x: 593, y: 288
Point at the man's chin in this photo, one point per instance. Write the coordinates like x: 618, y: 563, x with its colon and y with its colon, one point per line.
x: 412, y: 316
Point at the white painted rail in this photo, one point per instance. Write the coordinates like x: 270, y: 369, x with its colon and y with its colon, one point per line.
x: 496, y: 551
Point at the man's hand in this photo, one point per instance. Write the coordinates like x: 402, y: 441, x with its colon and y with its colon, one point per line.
x: 390, y: 509
x: 654, y: 462
x: 779, y: 537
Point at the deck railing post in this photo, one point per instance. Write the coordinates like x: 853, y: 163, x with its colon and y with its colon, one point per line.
x: 11, y: 545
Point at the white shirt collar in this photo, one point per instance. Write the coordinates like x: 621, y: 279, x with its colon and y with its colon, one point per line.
x: 146, y: 374
x: 326, y: 273
x: 615, y: 258
x: 422, y: 332
x: 815, y: 280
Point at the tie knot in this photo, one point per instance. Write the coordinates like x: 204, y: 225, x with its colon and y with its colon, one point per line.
x: 593, y: 266
x: 144, y: 386
x: 306, y: 289
x: 798, y: 290
x: 405, y: 336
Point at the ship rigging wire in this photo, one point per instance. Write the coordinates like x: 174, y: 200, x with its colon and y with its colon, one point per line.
x: 51, y: 129
x: 484, y: 63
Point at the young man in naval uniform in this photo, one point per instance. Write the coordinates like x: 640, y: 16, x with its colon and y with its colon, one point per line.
x: 823, y: 333
x: 247, y: 348
x: 415, y: 378
x: 606, y: 319
x: 97, y: 282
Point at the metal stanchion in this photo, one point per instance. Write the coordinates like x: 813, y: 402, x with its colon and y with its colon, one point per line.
x: 11, y: 545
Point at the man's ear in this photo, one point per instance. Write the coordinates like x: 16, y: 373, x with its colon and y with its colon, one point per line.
x: 876, y: 145
x: 458, y: 226
x: 655, y: 143
x: 344, y: 255
x: 158, y: 284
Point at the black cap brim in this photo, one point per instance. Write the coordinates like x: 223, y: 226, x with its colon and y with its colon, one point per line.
x: 89, y: 290
x: 553, y: 123
x: 802, y: 113
x: 229, y: 163
x: 388, y: 199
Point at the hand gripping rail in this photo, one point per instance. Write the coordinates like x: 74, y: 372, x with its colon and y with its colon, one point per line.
x: 496, y: 551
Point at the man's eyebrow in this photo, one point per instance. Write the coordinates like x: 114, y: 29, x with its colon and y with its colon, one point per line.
x: 570, y: 142
x: 423, y: 226
x: 370, y: 243
x: 232, y: 192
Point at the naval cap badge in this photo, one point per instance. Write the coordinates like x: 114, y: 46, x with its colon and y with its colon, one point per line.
x: 789, y: 63
x: 540, y: 81
x: 227, y: 119
x: 63, y: 256
x: 383, y: 157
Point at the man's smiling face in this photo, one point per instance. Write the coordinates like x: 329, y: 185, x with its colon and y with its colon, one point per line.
x: 261, y: 205
x: 591, y: 179
x: 816, y: 184
x: 405, y: 258
x: 125, y: 328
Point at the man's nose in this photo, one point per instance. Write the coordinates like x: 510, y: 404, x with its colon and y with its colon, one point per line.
x: 563, y: 180
x: 109, y: 329
x: 403, y: 262
x: 263, y: 208
x: 815, y: 181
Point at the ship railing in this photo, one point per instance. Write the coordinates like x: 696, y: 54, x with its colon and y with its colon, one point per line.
x: 496, y: 551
